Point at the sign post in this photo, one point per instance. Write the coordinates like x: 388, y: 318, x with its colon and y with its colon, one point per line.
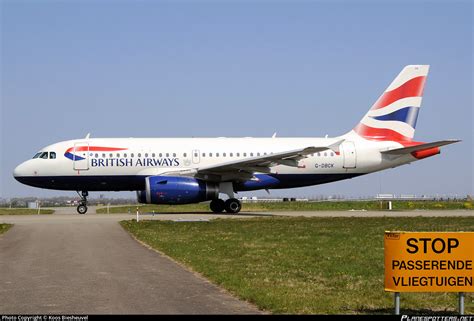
x: 397, y: 303
x: 429, y: 262
x: 461, y: 303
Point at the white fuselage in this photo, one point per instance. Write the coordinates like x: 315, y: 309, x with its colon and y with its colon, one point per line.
x: 96, y: 163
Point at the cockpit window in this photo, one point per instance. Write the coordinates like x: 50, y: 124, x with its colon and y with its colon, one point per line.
x: 44, y: 155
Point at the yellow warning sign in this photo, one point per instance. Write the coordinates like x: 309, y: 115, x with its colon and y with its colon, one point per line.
x: 429, y: 261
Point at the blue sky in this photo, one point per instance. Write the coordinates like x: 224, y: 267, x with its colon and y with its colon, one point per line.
x: 236, y: 68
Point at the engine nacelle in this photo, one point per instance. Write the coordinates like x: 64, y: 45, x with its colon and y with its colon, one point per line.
x: 177, y: 190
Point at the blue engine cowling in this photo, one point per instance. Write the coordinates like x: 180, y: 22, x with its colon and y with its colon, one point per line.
x: 177, y: 190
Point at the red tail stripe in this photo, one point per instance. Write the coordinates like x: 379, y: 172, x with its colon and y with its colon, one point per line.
x: 372, y: 133
x: 412, y: 88
x: 95, y: 149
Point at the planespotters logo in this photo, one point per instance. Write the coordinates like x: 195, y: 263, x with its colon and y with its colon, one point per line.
x: 79, y: 153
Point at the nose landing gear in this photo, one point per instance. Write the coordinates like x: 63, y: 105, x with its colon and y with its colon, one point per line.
x: 82, y: 207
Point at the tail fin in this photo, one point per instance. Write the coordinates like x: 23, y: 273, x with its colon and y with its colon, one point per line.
x: 393, y: 116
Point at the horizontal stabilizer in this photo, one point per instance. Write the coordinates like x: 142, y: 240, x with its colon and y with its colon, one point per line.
x: 411, y: 149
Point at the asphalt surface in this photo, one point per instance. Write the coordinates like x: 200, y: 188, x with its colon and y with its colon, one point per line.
x: 75, y: 264
x: 67, y: 263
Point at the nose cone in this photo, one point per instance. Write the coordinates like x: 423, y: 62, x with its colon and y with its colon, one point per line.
x: 19, y: 171
x: 22, y: 171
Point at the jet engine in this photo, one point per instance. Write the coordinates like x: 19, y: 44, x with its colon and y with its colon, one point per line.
x: 177, y: 190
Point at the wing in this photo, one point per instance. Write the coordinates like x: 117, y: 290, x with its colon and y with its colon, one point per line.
x: 243, y: 169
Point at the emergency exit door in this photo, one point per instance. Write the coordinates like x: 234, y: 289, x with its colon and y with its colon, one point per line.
x: 196, y: 156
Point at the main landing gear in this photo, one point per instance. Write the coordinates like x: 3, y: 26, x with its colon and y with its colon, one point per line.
x: 231, y: 206
x: 82, y: 207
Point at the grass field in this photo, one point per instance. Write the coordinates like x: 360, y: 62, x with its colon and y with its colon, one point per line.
x: 299, y: 206
x: 23, y: 211
x: 4, y: 227
x: 300, y: 265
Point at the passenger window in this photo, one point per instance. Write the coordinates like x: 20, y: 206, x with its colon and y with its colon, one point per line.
x: 223, y: 154
x: 118, y: 155
x: 132, y: 155
x: 319, y: 154
x: 146, y: 154
x: 258, y: 154
x: 251, y: 154
x: 195, y: 154
x: 238, y: 154
x: 167, y: 154
x: 217, y: 154
x: 203, y: 154
x: 96, y: 155
x: 139, y: 155
x: 325, y: 154
x: 184, y: 154
x: 245, y: 154
x: 231, y: 154
x: 161, y: 155
x: 125, y: 155
x: 153, y: 155
x: 52, y: 155
x: 210, y: 154
x: 174, y: 154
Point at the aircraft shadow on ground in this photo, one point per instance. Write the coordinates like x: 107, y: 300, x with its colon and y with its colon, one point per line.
x: 206, y: 213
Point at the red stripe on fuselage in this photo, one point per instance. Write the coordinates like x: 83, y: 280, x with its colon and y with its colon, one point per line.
x: 380, y: 134
x: 95, y: 149
x: 412, y: 88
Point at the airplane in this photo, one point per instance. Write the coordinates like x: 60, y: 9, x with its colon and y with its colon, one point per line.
x: 193, y: 170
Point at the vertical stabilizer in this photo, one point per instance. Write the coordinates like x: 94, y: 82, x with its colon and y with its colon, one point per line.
x: 394, y: 115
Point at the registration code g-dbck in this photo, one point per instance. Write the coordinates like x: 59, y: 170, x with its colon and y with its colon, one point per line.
x: 324, y: 165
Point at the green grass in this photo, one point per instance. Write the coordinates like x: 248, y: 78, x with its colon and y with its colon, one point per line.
x: 4, y: 228
x: 300, y: 265
x: 23, y: 211
x: 189, y: 208
x: 299, y: 206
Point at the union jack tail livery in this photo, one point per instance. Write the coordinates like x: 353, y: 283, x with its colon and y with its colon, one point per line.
x: 393, y: 116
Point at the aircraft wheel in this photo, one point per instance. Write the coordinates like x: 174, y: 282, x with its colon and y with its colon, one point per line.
x: 233, y: 206
x: 217, y: 206
x: 82, y: 209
